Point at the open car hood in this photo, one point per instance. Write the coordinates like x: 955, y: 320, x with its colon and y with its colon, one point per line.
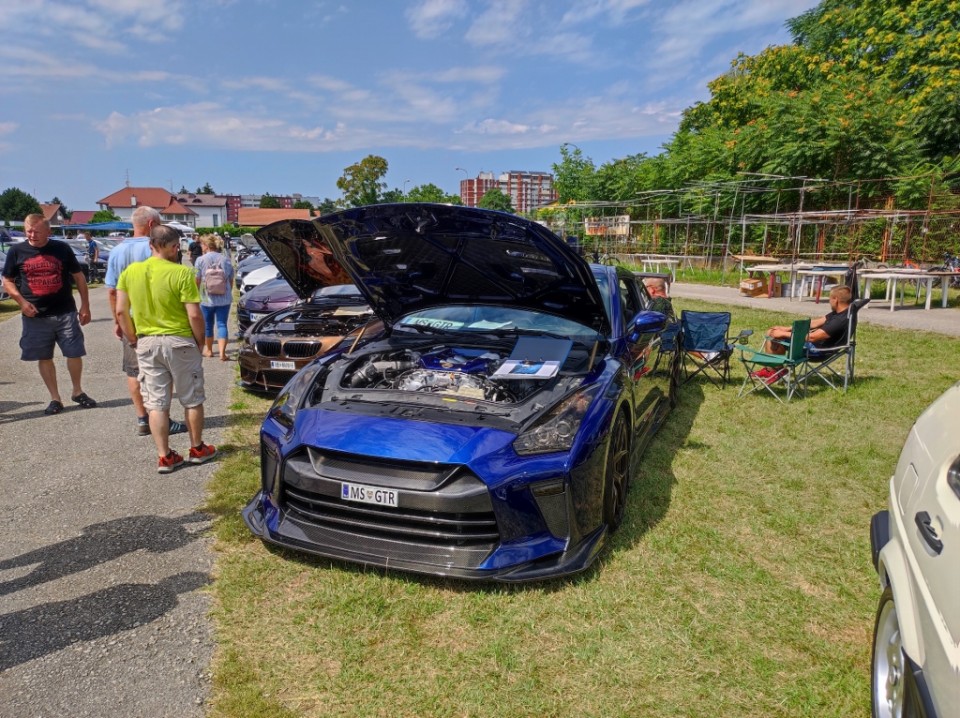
x: 409, y: 257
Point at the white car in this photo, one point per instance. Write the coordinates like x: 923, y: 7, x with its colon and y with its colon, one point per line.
x: 916, y: 550
x: 257, y: 277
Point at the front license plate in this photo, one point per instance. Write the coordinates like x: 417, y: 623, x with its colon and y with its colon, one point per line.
x: 254, y: 317
x: 368, y: 494
x: 274, y: 364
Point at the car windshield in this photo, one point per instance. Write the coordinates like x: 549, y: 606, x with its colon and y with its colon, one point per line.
x: 495, y: 319
x: 338, y: 290
x: 601, y: 279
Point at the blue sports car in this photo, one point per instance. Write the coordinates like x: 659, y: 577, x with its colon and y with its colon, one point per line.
x: 491, y: 430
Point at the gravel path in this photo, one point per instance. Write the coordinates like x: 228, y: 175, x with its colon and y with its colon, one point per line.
x: 908, y: 316
x: 103, y: 562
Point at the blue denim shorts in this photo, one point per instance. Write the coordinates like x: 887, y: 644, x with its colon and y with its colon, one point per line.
x: 40, y: 334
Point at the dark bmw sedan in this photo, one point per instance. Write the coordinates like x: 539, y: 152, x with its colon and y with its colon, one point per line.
x: 278, y: 345
x: 267, y: 298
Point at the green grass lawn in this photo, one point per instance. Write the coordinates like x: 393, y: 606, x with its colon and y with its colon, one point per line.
x: 739, y: 585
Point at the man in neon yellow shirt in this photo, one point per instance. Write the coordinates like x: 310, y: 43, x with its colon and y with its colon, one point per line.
x: 167, y: 334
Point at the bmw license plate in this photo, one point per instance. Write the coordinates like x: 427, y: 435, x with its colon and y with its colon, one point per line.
x: 368, y: 494
x: 275, y: 364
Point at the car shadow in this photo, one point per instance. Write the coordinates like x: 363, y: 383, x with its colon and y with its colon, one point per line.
x: 100, y: 543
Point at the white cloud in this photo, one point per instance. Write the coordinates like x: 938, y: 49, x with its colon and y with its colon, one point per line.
x: 6, y: 128
x: 615, y: 11
x: 500, y: 24
x: 431, y: 18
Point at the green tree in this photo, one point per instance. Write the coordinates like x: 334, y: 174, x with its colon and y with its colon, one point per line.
x: 269, y: 202
x: 103, y: 215
x: 392, y: 196
x: 303, y: 204
x: 15, y: 204
x: 362, y: 183
x: 573, y: 175
x: 206, y: 189
x: 493, y: 198
x: 431, y: 193
x: 328, y: 206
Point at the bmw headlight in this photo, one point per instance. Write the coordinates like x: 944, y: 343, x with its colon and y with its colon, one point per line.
x: 557, y: 429
x: 304, y: 388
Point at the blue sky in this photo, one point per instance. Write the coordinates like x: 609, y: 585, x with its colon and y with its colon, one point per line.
x: 280, y: 96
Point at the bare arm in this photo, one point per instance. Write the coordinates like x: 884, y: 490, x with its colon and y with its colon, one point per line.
x: 124, y: 320
x: 112, y: 298
x: 26, y: 308
x: 196, y: 321
x: 84, y: 313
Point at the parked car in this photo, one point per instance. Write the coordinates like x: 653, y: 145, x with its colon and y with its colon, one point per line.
x: 916, y: 551
x: 250, y: 264
x: 279, y: 345
x: 257, y: 277
x: 79, y: 247
x: 492, y: 431
x: 267, y: 298
x: 3, y: 260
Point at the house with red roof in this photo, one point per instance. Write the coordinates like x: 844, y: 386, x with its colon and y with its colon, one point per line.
x: 256, y: 217
x: 79, y: 216
x: 53, y: 213
x: 124, y: 201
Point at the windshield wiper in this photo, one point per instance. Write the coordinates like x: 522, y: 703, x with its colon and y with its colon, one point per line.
x: 513, y: 331
x: 425, y: 328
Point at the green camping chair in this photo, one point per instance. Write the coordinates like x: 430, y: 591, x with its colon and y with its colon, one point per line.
x: 775, y: 371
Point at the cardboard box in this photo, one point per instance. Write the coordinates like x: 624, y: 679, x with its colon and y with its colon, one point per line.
x: 752, y: 287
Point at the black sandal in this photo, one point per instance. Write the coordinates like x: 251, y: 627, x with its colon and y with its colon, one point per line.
x: 54, y: 407
x: 84, y: 401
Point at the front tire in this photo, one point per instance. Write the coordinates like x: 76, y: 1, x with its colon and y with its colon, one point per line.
x: 889, y: 687
x: 617, y: 480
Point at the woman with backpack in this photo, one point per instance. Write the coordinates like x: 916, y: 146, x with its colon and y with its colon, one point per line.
x: 215, y: 279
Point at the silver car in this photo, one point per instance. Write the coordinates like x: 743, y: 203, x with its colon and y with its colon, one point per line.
x: 916, y: 551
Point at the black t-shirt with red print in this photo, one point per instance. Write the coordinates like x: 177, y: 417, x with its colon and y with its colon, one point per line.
x: 43, y: 275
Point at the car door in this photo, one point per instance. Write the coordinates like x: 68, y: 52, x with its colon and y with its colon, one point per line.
x: 930, y: 501
x: 641, y: 352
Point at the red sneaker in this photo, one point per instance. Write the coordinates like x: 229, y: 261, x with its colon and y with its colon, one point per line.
x: 201, y: 454
x: 169, y: 463
x: 776, y: 376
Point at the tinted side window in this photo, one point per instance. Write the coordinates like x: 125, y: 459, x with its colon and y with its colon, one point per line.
x: 629, y: 299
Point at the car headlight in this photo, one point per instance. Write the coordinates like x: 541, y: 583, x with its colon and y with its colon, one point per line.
x: 304, y: 388
x: 557, y: 429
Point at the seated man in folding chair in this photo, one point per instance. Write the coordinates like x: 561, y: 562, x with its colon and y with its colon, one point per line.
x: 826, y: 332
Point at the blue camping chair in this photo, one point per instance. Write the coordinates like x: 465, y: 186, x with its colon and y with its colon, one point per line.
x: 706, y: 346
x: 669, y: 345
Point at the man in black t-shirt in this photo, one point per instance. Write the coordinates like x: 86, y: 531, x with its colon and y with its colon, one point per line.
x: 825, y: 332
x: 37, y: 276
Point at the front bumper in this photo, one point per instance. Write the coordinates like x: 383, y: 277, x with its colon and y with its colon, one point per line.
x: 410, y: 557
x: 879, y: 535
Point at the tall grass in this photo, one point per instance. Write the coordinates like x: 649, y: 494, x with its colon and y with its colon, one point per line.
x: 740, y: 583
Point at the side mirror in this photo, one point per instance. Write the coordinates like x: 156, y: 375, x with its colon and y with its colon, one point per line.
x: 646, y: 323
